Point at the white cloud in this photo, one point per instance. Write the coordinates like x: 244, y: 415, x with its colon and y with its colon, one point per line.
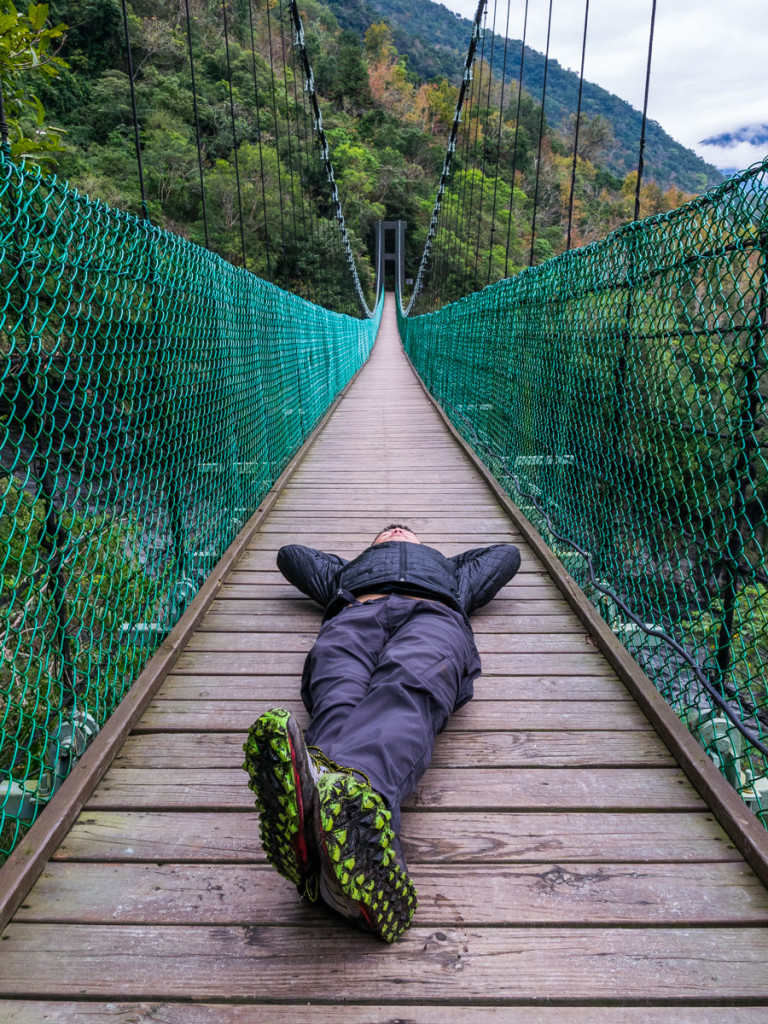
x: 709, y: 72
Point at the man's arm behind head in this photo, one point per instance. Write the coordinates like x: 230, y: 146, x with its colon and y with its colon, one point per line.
x: 483, y: 572
x: 309, y: 570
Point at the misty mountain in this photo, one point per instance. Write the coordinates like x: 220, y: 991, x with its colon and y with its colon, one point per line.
x: 754, y: 134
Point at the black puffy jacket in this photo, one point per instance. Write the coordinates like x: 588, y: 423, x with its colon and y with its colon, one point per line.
x: 464, y: 582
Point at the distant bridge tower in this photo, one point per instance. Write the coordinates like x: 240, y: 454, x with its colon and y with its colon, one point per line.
x: 390, y: 249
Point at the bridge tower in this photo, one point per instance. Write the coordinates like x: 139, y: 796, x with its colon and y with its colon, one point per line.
x: 390, y: 249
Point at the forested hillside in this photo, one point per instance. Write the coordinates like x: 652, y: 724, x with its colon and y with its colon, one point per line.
x: 386, y: 124
x: 435, y: 42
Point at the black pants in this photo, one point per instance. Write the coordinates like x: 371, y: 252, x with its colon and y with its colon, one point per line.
x: 379, y: 684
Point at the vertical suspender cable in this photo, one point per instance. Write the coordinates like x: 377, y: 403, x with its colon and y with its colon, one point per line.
x: 541, y: 135
x: 175, y: 497
x: 234, y: 134
x: 277, y: 137
x: 309, y: 143
x: 309, y: 80
x: 197, y: 125
x: 498, y: 141
x: 517, y: 133
x: 290, y: 146
x: 258, y: 131
x: 425, y: 256
x: 485, y: 137
x: 474, y: 153
x: 578, y: 124
x: 136, y: 135
x: 302, y: 183
x: 641, y: 152
x: 461, y: 192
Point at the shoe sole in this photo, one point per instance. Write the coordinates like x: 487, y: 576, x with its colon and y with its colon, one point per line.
x: 356, y: 844
x: 284, y: 805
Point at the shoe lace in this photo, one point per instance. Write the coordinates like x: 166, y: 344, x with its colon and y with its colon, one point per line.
x: 322, y: 761
x: 310, y: 889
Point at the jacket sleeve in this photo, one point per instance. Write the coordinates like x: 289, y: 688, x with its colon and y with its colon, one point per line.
x: 310, y: 571
x: 483, y: 572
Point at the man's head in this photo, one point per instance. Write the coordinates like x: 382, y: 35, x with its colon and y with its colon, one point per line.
x: 396, y: 531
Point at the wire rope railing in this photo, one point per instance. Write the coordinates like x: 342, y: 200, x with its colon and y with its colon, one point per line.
x: 618, y: 393
x: 150, y: 395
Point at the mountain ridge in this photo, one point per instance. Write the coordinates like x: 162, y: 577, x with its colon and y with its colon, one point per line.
x: 435, y: 42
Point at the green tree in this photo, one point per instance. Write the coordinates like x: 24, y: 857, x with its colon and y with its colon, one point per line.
x: 27, y: 59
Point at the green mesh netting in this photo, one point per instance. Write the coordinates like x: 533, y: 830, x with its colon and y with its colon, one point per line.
x: 618, y: 393
x: 151, y: 395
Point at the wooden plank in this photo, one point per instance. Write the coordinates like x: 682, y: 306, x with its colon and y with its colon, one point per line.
x: 519, y: 610
x: 615, y: 789
x: 436, y: 837
x: 333, y: 962
x: 524, y: 585
x: 353, y: 524
x: 233, y: 716
x: 264, y: 559
x: 225, y: 663
x: 230, y: 620
x: 466, y: 895
x: 553, y: 824
x: 181, y: 686
x: 744, y: 827
x: 487, y: 643
x: 34, y: 1012
x: 463, y: 750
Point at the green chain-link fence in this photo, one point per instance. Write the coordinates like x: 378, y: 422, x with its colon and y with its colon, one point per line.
x: 618, y: 393
x: 151, y: 395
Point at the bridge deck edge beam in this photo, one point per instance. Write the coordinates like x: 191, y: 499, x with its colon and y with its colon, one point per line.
x: 743, y: 828
x: 28, y: 860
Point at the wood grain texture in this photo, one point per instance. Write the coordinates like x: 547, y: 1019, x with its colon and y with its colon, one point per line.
x: 561, y: 856
x: 290, y: 663
x: 498, y: 749
x: 470, y: 789
x: 28, y: 1011
x: 233, y: 716
x: 330, y: 962
x: 436, y: 837
x: 539, y: 688
x: 467, y: 895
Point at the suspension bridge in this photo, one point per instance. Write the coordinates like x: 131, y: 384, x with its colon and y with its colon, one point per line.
x: 589, y: 843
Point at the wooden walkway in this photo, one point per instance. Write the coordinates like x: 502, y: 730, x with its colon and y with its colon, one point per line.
x: 567, y: 869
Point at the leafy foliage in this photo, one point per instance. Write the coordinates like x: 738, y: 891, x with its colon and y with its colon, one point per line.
x: 28, y: 59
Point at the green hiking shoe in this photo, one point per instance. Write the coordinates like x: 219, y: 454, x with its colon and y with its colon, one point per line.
x: 362, y: 873
x: 283, y: 778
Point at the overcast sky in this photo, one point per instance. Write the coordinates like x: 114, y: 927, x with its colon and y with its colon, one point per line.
x: 710, y: 68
